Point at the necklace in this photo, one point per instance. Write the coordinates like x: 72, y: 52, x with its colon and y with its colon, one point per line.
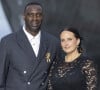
x: 71, y: 58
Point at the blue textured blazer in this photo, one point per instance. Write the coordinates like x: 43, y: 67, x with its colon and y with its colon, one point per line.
x: 20, y: 69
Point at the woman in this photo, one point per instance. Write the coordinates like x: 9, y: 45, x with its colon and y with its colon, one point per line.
x: 75, y: 71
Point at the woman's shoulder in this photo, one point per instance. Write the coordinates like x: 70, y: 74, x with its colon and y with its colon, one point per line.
x: 86, y: 58
x: 88, y: 62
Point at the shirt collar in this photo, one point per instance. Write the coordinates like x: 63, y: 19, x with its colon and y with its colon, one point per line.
x: 30, y: 36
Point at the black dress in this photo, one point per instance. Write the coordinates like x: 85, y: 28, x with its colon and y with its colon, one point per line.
x: 79, y: 74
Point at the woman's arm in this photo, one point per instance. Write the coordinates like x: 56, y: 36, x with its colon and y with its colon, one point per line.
x: 90, y: 72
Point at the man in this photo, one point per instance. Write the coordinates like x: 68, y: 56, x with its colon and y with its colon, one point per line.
x: 26, y: 55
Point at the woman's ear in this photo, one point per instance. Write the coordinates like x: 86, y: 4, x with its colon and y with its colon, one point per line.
x: 78, y: 42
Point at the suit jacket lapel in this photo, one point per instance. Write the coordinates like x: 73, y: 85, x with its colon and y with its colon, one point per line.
x: 24, y: 44
x: 43, y: 45
x: 42, y: 51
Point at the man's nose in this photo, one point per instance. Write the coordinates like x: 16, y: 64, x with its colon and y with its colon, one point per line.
x: 34, y: 17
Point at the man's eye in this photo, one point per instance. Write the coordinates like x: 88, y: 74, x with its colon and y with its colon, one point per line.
x: 30, y: 14
x: 39, y: 15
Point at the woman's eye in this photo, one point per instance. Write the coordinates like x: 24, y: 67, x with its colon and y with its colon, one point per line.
x: 62, y: 40
x: 70, y: 39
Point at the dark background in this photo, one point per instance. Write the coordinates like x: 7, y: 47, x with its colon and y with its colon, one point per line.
x: 82, y: 14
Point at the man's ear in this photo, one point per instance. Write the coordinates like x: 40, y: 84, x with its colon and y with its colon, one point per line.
x: 23, y: 16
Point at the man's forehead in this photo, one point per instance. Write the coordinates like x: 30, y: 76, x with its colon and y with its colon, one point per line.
x: 34, y: 7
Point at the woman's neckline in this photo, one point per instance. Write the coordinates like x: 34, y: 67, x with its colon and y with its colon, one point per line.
x: 74, y: 60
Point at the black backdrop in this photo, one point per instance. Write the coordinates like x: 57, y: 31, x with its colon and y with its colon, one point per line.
x: 82, y: 14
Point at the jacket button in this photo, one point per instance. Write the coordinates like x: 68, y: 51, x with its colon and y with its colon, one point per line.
x: 45, y: 72
x: 25, y: 72
x: 42, y: 83
x: 28, y: 83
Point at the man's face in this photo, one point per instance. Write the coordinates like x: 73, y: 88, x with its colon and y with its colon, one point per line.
x: 33, y: 18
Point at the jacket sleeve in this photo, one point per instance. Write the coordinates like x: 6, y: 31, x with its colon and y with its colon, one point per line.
x: 3, y: 64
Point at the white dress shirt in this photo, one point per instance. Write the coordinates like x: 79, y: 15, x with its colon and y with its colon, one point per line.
x: 34, y: 40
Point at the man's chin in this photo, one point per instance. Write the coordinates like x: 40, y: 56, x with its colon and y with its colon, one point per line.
x: 35, y: 29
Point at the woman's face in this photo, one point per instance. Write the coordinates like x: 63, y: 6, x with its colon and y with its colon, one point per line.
x: 69, y: 42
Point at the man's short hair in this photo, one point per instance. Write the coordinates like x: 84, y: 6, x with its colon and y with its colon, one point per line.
x: 32, y: 3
